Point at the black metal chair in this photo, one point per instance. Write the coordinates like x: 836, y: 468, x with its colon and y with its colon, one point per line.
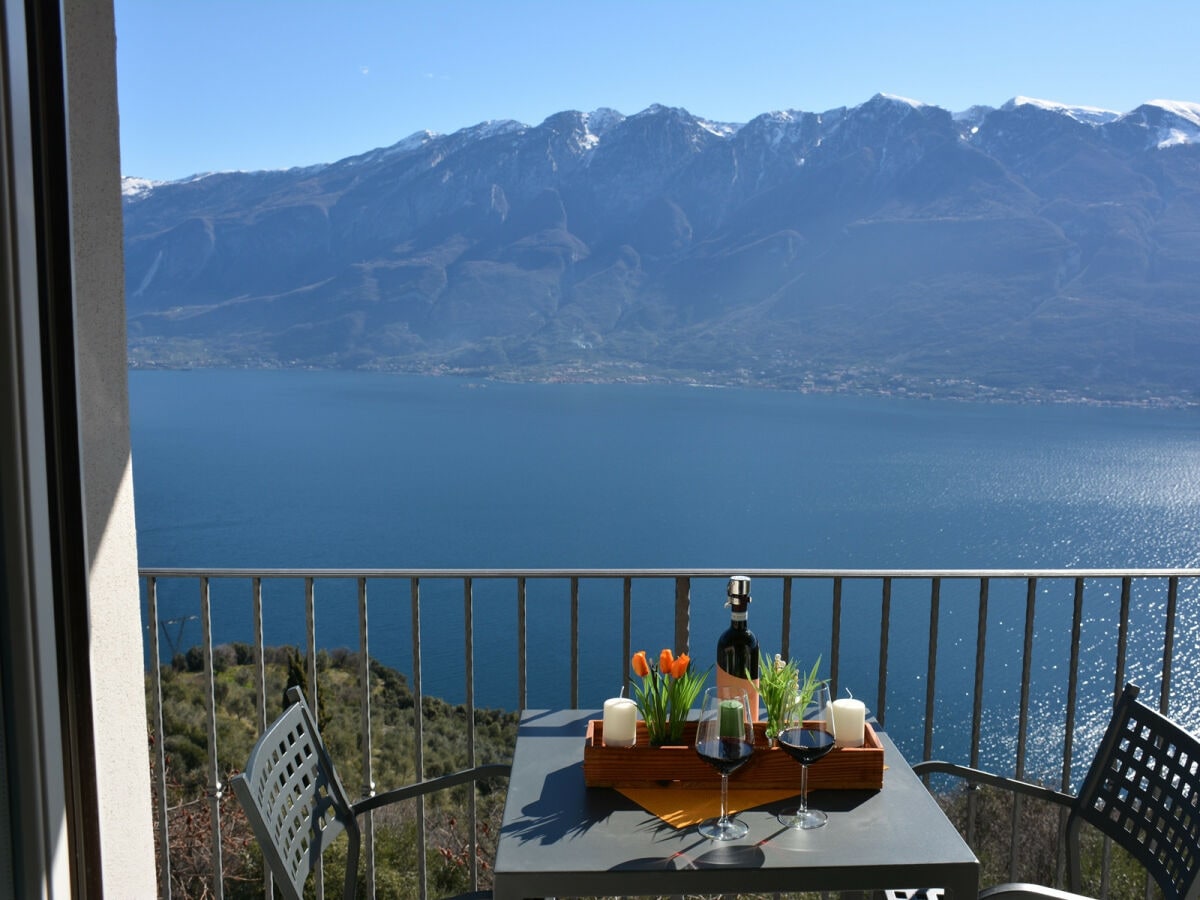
x: 1142, y: 790
x: 297, y: 806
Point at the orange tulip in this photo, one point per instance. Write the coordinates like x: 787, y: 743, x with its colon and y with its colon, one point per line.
x: 640, y: 666
x: 665, y: 661
x: 680, y: 666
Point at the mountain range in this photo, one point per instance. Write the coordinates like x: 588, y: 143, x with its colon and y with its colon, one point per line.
x: 1033, y: 250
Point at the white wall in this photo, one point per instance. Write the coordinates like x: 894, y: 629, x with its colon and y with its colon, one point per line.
x: 119, y: 711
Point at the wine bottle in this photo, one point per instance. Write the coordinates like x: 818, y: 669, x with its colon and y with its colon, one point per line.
x: 737, y: 647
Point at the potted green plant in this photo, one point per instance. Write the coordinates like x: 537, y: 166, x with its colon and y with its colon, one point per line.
x: 783, y: 692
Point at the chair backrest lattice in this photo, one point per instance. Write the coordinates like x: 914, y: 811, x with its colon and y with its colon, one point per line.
x: 293, y: 799
x: 1143, y: 791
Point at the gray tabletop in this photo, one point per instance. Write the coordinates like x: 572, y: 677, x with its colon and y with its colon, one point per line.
x: 560, y: 837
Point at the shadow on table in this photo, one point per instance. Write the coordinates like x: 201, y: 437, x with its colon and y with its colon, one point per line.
x: 566, y: 808
x: 827, y: 800
x: 796, y: 840
x: 557, y: 814
x: 739, y: 856
x: 704, y: 854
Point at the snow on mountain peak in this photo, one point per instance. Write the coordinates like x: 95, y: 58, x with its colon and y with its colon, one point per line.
x: 1173, y: 137
x: 600, y: 120
x: 1185, y: 127
x: 415, y: 141
x: 720, y: 129
x: 1180, y: 108
x: 133, y: 187
x: 1169, y: 123
x: 1088, y: 115
x: 659, y: 109
x: 490, y: 129
x: 896, y: 98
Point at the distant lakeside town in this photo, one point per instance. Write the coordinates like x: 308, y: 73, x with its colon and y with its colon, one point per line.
x: 864, y: 381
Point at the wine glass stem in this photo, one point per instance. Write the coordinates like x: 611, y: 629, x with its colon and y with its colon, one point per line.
x: 803, y: 788
x: 724, y: 797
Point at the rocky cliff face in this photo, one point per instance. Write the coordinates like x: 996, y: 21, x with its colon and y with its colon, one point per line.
x: 1030, y: 248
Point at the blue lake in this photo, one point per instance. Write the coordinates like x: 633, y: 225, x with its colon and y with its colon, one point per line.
x: 267, y: 469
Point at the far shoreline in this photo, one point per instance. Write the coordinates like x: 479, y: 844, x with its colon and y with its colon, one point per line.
x: 852, y: 381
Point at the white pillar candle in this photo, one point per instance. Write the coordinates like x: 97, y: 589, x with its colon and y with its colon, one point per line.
x: 620, y: 722
x: 849, y: 722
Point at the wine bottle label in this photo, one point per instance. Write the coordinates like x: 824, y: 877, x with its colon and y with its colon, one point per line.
x: 724, y: 679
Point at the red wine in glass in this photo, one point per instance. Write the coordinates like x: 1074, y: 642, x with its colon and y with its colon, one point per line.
x: 806, y: 745
x: 726, y: 755
x: 807, y: 738
x: 725, y: 740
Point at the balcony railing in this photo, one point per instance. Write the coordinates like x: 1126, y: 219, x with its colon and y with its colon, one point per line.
x: 1013, y: 670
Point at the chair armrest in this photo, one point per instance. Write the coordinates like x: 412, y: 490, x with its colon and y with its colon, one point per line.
x: 429, y: 786
x: 978, y: 776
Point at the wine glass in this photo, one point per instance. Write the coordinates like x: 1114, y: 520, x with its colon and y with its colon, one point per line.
x: 807, y: 735
x: 725, y: 740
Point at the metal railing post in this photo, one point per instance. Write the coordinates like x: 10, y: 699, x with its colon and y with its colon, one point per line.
x: 785, y: 642
x: 977, y: 700
x: 935, y: 601
x: 885, y: 619
x: 368, y: 779
x: 683, y: 605
x: 469, y: 641
x: 522, y: 647
x: 215, y: 787
x: 160, y: 750
x: 626, y: 632
x: 310, y: 632
x: 575, y: 642
x: 1168, y: 643
x: 418, y: 732
x: 260, y: 684
x: 1023, y: 718
x: 1123, y: 636
x: 835, y: 637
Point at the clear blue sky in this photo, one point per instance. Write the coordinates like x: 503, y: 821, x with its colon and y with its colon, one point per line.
x: 252, y: 84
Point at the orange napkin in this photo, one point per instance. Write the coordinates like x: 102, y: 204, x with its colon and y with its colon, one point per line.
x: 684, y: 807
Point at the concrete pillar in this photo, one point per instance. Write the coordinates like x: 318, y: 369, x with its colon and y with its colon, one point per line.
x: 116, y: 637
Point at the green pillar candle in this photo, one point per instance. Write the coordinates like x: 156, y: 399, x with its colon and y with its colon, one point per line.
x: 732, y: 719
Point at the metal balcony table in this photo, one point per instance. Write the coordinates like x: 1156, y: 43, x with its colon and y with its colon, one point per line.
x: 561, y: 838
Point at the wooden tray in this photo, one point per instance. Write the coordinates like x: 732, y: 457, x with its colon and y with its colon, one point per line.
x: 844, y: 768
